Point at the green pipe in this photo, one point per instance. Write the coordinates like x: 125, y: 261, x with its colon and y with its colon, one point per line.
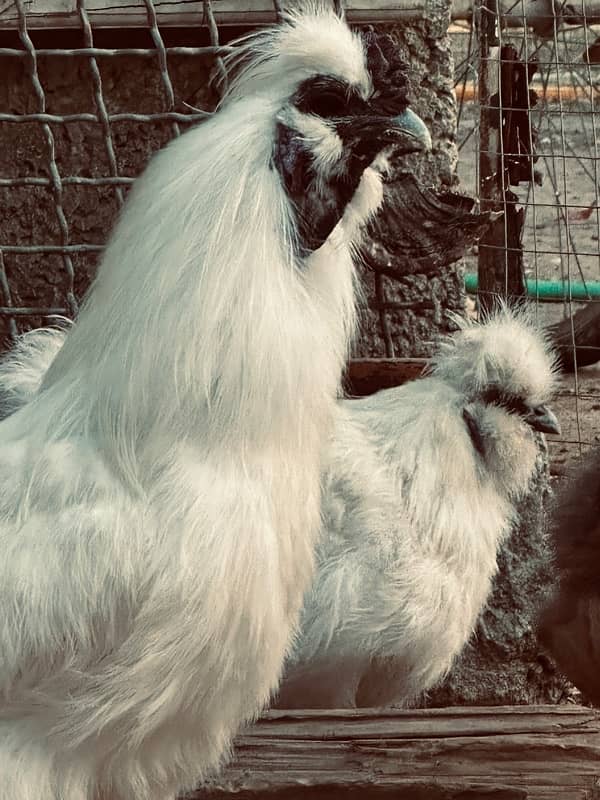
x: 548, y: 290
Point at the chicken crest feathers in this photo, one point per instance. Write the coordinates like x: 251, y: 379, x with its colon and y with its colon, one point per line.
x: 312, y: 39
x: 507, y: 349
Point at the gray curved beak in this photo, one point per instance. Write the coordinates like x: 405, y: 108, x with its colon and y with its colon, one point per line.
x: 408, y: 133
x: 540, y: 418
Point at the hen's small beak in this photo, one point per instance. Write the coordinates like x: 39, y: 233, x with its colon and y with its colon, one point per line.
x: 540, y: 418
x: 408, y: 133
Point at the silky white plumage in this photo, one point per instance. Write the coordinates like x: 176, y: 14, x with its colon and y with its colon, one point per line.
x: 414, y: 514
x: 160, y: 494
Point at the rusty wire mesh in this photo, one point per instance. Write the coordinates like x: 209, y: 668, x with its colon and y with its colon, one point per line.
x: 23, y: 263
x: 54, y: 180
x: 560, y: 203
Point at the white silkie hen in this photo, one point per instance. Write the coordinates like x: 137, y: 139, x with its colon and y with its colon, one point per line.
x: 160, y: 493
x: 419, y: 493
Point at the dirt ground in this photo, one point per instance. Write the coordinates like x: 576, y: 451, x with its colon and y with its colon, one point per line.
x: 562, y: 222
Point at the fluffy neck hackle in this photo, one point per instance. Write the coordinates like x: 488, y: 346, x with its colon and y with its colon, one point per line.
x: 200, y: 317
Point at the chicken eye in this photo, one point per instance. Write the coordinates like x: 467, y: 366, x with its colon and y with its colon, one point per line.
x: 328, y: 104
x: 324, y: 97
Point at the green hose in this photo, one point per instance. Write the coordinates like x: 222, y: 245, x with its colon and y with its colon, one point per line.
x: 548, y: 290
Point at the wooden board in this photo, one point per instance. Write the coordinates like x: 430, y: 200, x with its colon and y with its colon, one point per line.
x: 132, y: 13
x: 62, y: 14
x: 504, y: 753
x: 366, y: 376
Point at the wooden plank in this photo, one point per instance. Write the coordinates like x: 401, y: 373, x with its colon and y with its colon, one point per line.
x: 62, y: 14
x: 537, y: 14
x: 366, y: 376
x: 132, y: 13
x: 504, y: 753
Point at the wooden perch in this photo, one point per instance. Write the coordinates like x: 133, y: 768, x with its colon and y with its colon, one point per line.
x: 503, y: 753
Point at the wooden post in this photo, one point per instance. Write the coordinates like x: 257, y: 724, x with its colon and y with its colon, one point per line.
x: 500, y: 266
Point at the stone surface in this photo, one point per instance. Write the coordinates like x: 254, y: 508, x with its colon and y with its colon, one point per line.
x: 28, y: 212
x: 411, y: 329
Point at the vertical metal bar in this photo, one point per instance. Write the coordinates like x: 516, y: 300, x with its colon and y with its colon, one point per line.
x: 490, y: 196
x: 593, y: 112
x: 56, y: 184
x: 566, y: 222
x: 213, y: 32
x: 12, y: 325
x: 383, y: 320
x: 162, y: 60
x: 99, y: 99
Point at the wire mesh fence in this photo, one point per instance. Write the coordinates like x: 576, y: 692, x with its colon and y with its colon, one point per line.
x: 79, y: 133
x: 558, y: 200
x: 65, y: 146
x: 39, y: 129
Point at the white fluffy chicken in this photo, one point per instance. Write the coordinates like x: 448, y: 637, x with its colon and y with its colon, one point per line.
x: 160, y: 493
x: 419, y: 493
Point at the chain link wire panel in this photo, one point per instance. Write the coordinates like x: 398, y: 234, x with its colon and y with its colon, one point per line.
x: 560, y: 202
x: 37, y: 130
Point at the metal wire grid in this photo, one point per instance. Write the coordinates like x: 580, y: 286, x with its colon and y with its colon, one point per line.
x: 70, y: 247
x: 562, y: 206
x: 55, y: 182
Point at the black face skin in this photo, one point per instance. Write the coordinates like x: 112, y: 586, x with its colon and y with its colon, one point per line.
x: 511, y: 402
x: 365, y: 127
x: 497, y: 397
x: 474, y: 432
x: 538, y: 418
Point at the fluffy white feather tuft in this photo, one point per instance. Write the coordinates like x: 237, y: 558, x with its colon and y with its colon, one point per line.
x: 22, y: 368
x: 314, y: 40
x: 508, y: 349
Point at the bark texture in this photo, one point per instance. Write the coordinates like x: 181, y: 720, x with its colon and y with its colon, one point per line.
x: 541, y: 753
